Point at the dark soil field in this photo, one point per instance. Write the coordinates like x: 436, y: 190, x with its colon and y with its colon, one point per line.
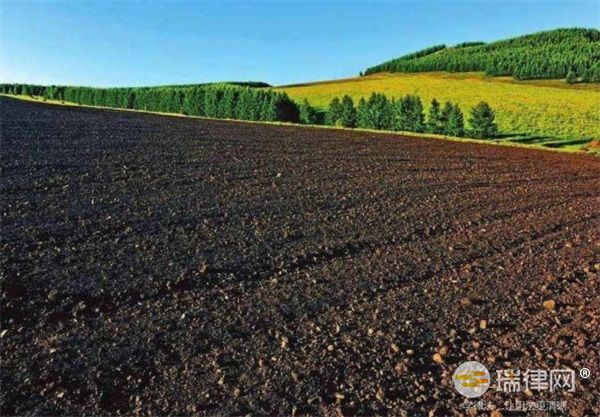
x: 158, y: 265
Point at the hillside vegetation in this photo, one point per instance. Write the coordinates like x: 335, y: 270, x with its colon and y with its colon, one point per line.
x: 562, y: 53
x: 546, y: 108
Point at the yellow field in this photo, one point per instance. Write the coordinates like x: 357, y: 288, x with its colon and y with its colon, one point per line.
x: 546, y: 108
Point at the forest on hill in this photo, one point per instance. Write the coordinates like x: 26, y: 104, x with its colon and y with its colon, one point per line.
x: 573, y: 54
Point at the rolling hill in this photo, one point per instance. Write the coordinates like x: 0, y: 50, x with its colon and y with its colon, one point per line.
x: 544, y: 55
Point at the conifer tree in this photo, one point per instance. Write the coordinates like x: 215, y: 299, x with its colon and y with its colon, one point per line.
x: 380, y: 114
x: 434, y: 122
x: 308, y: 114
x: 211, y: 102
x: 348, y: 113
x: 362, y: 114
x: 408, y: 114
x: 335, y: 112
x: 482, y: 121
x: 455, y: 125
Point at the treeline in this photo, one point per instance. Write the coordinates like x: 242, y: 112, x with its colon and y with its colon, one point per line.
x: 211, y: 100
x: 229, y: 101
x: 407, y: 114
x: 545, y: 55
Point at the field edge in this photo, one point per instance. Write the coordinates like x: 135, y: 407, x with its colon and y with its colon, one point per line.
x: 387, y: 133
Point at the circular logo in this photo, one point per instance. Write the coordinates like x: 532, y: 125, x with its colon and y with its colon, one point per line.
x: 471, y: 379
x: 585, y: 373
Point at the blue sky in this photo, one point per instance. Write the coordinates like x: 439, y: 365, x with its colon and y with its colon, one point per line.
x: 131, y: 43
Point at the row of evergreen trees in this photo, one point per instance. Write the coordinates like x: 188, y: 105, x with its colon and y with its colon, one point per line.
x: 407, y: 114
x: 245, y: 103
x: 545, y: 55
x: 211, y: 100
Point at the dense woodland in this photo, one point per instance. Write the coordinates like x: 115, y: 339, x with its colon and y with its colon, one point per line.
x: 556, y: 54
x: 227, y: 101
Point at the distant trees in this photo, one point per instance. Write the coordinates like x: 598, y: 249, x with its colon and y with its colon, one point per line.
x: 482, y: 121
x: 551, y: 55
x: 571, y: 77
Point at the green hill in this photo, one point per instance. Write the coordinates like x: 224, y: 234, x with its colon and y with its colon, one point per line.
x: 552, y: 54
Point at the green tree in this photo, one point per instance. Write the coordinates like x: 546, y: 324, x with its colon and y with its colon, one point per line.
x: 571, y: 77
x: 408, y: 114
x: 445, y: 116
x: 362, y: 114
x: 335, y: 112
x: 434, y: 121
x: 228, y: 103
x: 308, y: 114
x: 348, y: 114
x: 380, y: 112
x: 482, y: 121
x: 455, y: 125
x: 211, y: 102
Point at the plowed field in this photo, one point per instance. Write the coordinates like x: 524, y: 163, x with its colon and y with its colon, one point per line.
x: 155, y: 265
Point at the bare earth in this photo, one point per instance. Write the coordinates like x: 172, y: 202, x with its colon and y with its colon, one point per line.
x: 156, y: 265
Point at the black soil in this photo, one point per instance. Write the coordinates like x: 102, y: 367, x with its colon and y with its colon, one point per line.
x: 158, y: 265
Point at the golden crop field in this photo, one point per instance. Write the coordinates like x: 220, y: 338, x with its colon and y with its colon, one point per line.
x: 547, y: 108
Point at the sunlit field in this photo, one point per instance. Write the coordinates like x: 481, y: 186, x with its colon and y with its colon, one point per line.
x: 547, y: 108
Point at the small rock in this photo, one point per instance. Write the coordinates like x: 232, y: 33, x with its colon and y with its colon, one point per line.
x: 331, y: 348
x: 380, y: 394
x: 483, y: 324
x: 410, y: 352
x: 437, y: 358
x: 395, y: 348
x: 549, y: 304
x: 284, y: 342
x: 400, y: 367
